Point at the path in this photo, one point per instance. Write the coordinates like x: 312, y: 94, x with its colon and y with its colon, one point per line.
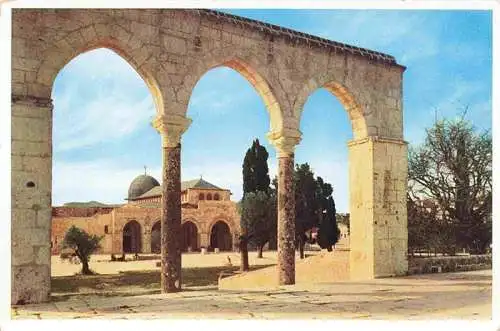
x: 465, y: 295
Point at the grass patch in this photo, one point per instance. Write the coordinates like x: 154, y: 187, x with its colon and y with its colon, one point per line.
x: 136, y: 281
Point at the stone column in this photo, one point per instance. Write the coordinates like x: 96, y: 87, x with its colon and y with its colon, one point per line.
x: 171, y: 129
x: 204, y: 239
x: 146, y: 240
x: 285, y: 145
x: 378, y: 220
x: 31, y: 193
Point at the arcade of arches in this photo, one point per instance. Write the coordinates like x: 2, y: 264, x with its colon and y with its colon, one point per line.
x: 171, y: 49
x: 135, y: 227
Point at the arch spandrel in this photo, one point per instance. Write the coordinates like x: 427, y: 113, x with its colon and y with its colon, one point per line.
x: 248, y: 65
x: 64, y: 47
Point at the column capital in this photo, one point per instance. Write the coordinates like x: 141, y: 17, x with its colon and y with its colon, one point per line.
x: 171, y: 128
x: 285, y: 141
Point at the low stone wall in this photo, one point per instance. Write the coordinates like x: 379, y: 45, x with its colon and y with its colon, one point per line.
x: 425, y: 265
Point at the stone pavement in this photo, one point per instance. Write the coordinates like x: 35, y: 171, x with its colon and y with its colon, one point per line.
x: 465, y: 295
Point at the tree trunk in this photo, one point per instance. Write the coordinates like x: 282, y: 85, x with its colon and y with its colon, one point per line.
x: 259, y: 254
x: 244, y: 255
x: 85, y: 267
x: 301, y: 248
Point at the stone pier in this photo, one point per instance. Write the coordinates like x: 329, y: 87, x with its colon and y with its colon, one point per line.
x: 377, y: 180
x: 285, y: 143
x: 171, y: 129
x: 31, y: 198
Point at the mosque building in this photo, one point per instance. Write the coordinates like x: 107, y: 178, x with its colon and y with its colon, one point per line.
x: 209, y: 219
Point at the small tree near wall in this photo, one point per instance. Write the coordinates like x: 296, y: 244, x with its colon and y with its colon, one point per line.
x: 83, y: 244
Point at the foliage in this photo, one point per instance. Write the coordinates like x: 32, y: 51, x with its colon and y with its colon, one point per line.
x: 258, y: 217
x: 83, y: 245
x: 453, y: 170
x: 328, y: 233
x: 255, y: 169
x: 257, y: 208
x: 314, y: 206
x: 306, y: 203
x: 426, y: 230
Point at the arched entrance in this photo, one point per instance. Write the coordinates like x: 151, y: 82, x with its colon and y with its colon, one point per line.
x: 189, y: 237
x: 220, y: 237
x: 156, y: 238
x: 132, y: 237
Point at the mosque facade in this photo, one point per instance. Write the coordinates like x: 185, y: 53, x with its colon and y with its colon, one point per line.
x: 210, y: 219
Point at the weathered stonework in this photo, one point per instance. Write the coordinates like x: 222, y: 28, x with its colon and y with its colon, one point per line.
x: 172, y: 50
x: 31, y: 198
x: 379, y: 230
x: 286, y: 221
x: 203, y: 214
x: 171, y: 220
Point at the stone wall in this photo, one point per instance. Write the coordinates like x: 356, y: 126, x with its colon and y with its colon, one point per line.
x: 425, y: 265
x: 204, y: 217
x: 79, y: 211
x: 92, y: 225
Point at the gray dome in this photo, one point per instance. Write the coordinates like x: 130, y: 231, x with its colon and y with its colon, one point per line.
x: 140, y: 185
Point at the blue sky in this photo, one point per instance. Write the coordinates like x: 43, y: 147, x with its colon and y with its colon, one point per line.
x: 102, y: 108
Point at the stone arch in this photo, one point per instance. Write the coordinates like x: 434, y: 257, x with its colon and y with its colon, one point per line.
x: 209, y: 196
x: 253, y: 71
x: 95, y: 36
x: 201, y: 196
x: 156, y: 237
x: 216, y: 196
x: 189, y: 236
x: 362, y: 125
x: 132, y: 237
x: 221, y: 235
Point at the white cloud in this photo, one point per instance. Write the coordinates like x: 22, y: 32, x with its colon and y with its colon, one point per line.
x: 458, y: 98
x: 103, y: 180
x: 220, y: 91
x: 101, y: 120
x: 381, y: 30
x: 98, y: 97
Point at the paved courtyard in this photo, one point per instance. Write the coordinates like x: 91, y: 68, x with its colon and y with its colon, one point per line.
x: 464, y: 295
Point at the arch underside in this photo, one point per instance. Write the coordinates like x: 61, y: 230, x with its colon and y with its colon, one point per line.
x: 55, y: 61
x: 221, y: 236
x: 132, y: 237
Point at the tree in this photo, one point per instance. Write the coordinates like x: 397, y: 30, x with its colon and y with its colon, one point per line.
x: 83, y: 244
x: 255, y: 169
x: 328, y: 233
x: 306, y: 204
x: 254, y: 219
x: 426, y: 230
x: 258, y: 218
x: 453, y: 169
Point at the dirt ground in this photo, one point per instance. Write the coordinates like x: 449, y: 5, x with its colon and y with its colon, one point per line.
x: 101, y: 264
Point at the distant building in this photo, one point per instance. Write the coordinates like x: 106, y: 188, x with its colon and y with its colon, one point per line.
x: 209, y: 219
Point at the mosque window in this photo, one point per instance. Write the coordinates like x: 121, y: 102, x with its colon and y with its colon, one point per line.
x: 216, y: 196
x: 209, y: 196
x: 106, y: 229
x: 202, y: 196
